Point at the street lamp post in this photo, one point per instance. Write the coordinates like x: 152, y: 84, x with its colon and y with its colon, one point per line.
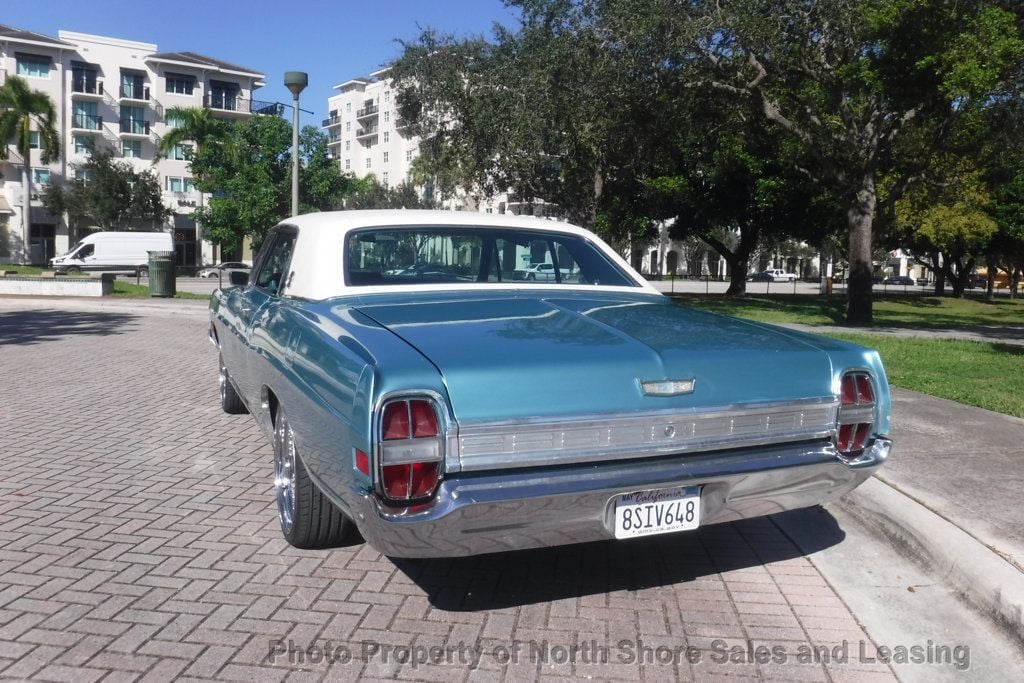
x: 296, y: 82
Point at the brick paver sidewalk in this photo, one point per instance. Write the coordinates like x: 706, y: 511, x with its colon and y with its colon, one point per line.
x: 138, y: 539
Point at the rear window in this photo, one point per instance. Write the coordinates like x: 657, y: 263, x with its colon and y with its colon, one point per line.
x: 431, y: 255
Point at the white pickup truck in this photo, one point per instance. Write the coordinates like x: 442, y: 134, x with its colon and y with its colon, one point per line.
x: 779, y: 275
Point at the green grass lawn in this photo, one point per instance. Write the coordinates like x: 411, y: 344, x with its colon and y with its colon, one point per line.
x: 21, y: 270
x: 918, y: 312
x: 976, y: 373
x: 133, y: 291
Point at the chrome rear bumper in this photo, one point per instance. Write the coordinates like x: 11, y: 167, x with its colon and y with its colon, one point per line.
x: 500, y: 511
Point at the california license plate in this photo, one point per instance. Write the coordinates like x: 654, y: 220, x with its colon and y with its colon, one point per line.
x: 661, y: 511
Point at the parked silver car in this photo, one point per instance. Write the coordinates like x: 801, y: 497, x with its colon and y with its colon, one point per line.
x: 225, y: 269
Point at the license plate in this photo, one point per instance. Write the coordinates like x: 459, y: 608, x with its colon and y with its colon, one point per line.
x: 661, y: 511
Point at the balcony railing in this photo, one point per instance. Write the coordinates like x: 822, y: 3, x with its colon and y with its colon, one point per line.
x: 87, y: 88
x: 332, y: 121
x: 367, y: 111
x: 135, y: 127
x: 226, y: 102
x: 366, y: 132
x: 129, y: 92
x: 333, y: 138
x: 87, y: 122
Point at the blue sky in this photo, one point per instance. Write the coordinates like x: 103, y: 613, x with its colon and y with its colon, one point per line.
x: 332, y: 41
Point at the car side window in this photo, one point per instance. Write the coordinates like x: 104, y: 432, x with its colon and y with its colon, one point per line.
x: 274, y: 268
x: 86, y: 250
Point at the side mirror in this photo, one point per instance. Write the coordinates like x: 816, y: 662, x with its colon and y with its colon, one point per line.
x: 238, y: 278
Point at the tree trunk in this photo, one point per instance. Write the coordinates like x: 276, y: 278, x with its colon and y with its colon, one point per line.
x: 859, y: 217
x: 26, y: 206
x: 737, y: 275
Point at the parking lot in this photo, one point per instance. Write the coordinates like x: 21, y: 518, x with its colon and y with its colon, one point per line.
x: 138, y: 538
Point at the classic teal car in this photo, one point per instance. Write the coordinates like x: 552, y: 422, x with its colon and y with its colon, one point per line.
x: 453, y: 410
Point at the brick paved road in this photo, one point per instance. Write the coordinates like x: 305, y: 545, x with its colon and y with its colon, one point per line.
x: 138, y: 539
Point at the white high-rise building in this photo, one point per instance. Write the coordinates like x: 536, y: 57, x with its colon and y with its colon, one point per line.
x: 366, y: 136
x: 112, y: 92
x: 364, y: 132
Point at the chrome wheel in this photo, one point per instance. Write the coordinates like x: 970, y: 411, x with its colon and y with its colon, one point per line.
x: 284, y: 471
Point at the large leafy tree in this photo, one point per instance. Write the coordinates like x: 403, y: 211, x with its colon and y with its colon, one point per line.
x: 559, y: 107
x: 109, y: 193
x: 950, y: 222
x: 729, y: 180
x: 22, y: 111
x: 847, y: 79
x: 249, y: 179
x: 546, y: 110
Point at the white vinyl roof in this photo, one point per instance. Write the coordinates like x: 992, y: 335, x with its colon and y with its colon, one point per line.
x: 317, y: 268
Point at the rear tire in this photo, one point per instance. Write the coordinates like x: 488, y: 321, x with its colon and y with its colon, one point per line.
x: 73, y: 270
x: 308, y: 518
x: 230, y: 402
x: 143, y: 271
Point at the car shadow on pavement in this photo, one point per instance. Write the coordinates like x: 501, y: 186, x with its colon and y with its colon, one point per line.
x: 34, y: 327
x: 512, y: 579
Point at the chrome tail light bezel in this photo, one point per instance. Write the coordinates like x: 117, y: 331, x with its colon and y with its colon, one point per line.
x: 857, y: 414
x: 409, y: 451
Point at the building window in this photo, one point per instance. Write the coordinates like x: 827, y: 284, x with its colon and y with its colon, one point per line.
x: 34, y: 66
x: 384, y: 178
x: 387, y: 116
x: 367, y: 162
x: 33, y: 139
x: 348, y: 145
x: 176, y: 184
x: 348, y: 164
x: 386, y: 137
x: 131, y: 149
x: 488, y: 210
x: 387, y: 95
x: 179, y: 85
x: 40, y: 176
x: 83, y: 145
x: 84, y: 174
x: 348, y: 126
x: 408, y: 155
x: 348, y: 107
x: 386, y: 155
x: 180, y: 153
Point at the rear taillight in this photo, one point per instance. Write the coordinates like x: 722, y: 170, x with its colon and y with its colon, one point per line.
x: 411, y: 450
x: 856, y: 413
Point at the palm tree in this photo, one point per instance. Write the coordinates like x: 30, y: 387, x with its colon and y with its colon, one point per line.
x: 21, y: 109
x: 191, y: 124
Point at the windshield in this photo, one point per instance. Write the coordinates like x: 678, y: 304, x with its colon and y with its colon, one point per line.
x: 430, y: 255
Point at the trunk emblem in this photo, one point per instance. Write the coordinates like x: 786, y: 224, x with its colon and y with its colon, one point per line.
x: 667, y: 387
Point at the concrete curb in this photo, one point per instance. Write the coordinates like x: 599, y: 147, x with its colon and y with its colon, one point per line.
x: 987, y: 582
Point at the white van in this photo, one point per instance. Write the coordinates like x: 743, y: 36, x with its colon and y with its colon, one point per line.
x: 113, y: 251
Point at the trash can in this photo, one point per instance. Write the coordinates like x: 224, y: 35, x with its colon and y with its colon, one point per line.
x: 161, y: 273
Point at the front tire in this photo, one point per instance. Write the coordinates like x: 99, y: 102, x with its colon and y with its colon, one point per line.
x: 143, y: 271
x: 308, y: 519
x: 230, y: 402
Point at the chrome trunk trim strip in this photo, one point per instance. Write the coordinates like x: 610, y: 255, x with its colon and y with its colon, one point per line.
x: 593, y: 438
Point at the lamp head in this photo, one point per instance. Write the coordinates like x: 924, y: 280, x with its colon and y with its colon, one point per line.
x: 296, y: 81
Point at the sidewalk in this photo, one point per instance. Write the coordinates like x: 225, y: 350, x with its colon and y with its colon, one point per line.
x: 996, y: 334
x: 950, y: 498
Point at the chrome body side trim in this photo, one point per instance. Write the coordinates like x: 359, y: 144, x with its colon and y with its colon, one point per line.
x: 501, y: 511
x: 542, y: 442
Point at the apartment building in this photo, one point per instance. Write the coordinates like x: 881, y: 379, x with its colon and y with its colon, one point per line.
x: 113, y: 93
x: 364, y: 132
x: 366, y: 136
